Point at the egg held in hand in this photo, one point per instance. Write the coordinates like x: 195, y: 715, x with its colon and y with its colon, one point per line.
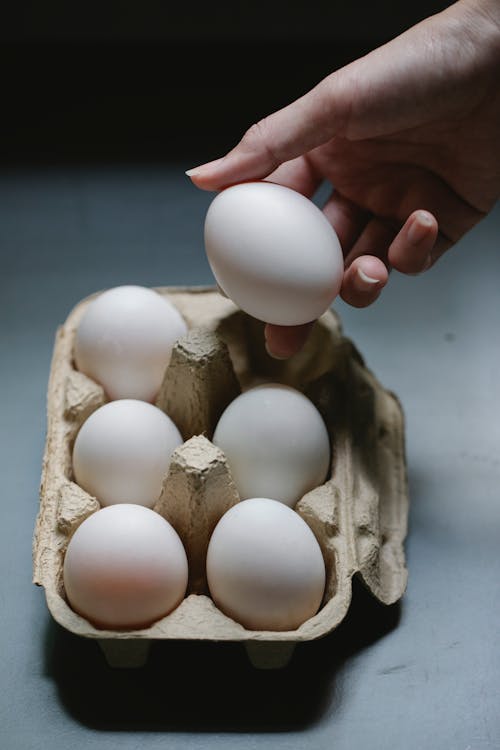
x: 275, y: 441
x: 125, y: 567
x: 122, y: 452
x: 265, y: 567
x: 125, y: 338
x: 273, y: 252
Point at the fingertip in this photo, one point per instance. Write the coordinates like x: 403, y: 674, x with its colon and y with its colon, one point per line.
x: 238, y: 165
x: 207, y: 176
x: 363, y: 281
x: 410, y: 251
x: 282, y: 342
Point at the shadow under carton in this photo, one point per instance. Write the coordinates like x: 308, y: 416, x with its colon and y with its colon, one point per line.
x: 359, y: 515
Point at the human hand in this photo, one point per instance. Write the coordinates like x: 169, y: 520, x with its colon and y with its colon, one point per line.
x: 409, y: 138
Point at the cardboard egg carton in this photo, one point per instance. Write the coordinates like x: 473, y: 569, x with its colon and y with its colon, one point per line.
x: 359, y: 515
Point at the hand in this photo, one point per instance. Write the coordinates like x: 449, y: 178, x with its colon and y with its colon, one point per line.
x: 409, y: 138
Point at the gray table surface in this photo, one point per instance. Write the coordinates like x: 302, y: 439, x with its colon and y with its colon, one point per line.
x: 425, y: 673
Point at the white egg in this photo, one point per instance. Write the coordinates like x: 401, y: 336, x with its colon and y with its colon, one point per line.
x: 265, y: 568
x: 125, y: 338
x: 273, y: 252
x: 123, y: 450
x: 125, y: 567
x: 275, y: 441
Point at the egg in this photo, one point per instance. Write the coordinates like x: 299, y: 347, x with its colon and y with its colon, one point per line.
x: 122, y: 452
x: 125, y: 567
x: 265, y: 567
x: 273, y: 252
x: 275, y: 441
x: 125, y: 338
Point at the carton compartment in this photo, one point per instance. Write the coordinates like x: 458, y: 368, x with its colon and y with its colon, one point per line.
x: 359, y: 515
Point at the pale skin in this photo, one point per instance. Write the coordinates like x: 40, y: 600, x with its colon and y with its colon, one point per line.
x: 409, y: 135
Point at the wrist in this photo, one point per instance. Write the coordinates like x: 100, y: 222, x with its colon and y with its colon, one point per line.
x: 475, y: 24
x: 489, y: 9
x: 482, y: 17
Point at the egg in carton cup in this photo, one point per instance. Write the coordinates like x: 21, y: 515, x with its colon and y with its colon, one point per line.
x: 358, y: 516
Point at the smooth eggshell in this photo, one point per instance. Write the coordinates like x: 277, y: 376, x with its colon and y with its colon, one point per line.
x: 265, y: 568
x: 273, y: 252
x: 125, y: 567
x: 122, y: 452
x: 275, y: 441
x: 125, y: 338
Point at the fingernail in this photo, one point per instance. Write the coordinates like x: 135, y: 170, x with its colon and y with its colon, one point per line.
x: 368, y: 281
x: 419, y: 228
x: 273, y: 354
x: 221, y: 291
x: 197, y: 171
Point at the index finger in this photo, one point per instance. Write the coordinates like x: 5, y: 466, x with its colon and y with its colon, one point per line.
x: 286, y: 134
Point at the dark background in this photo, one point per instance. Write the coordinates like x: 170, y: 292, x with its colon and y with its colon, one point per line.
x: 152, y: 81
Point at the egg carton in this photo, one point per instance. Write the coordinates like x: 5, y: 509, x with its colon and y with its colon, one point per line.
x: 359, y: 515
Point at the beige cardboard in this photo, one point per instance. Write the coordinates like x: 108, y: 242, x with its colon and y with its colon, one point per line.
x: 359, y: 515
